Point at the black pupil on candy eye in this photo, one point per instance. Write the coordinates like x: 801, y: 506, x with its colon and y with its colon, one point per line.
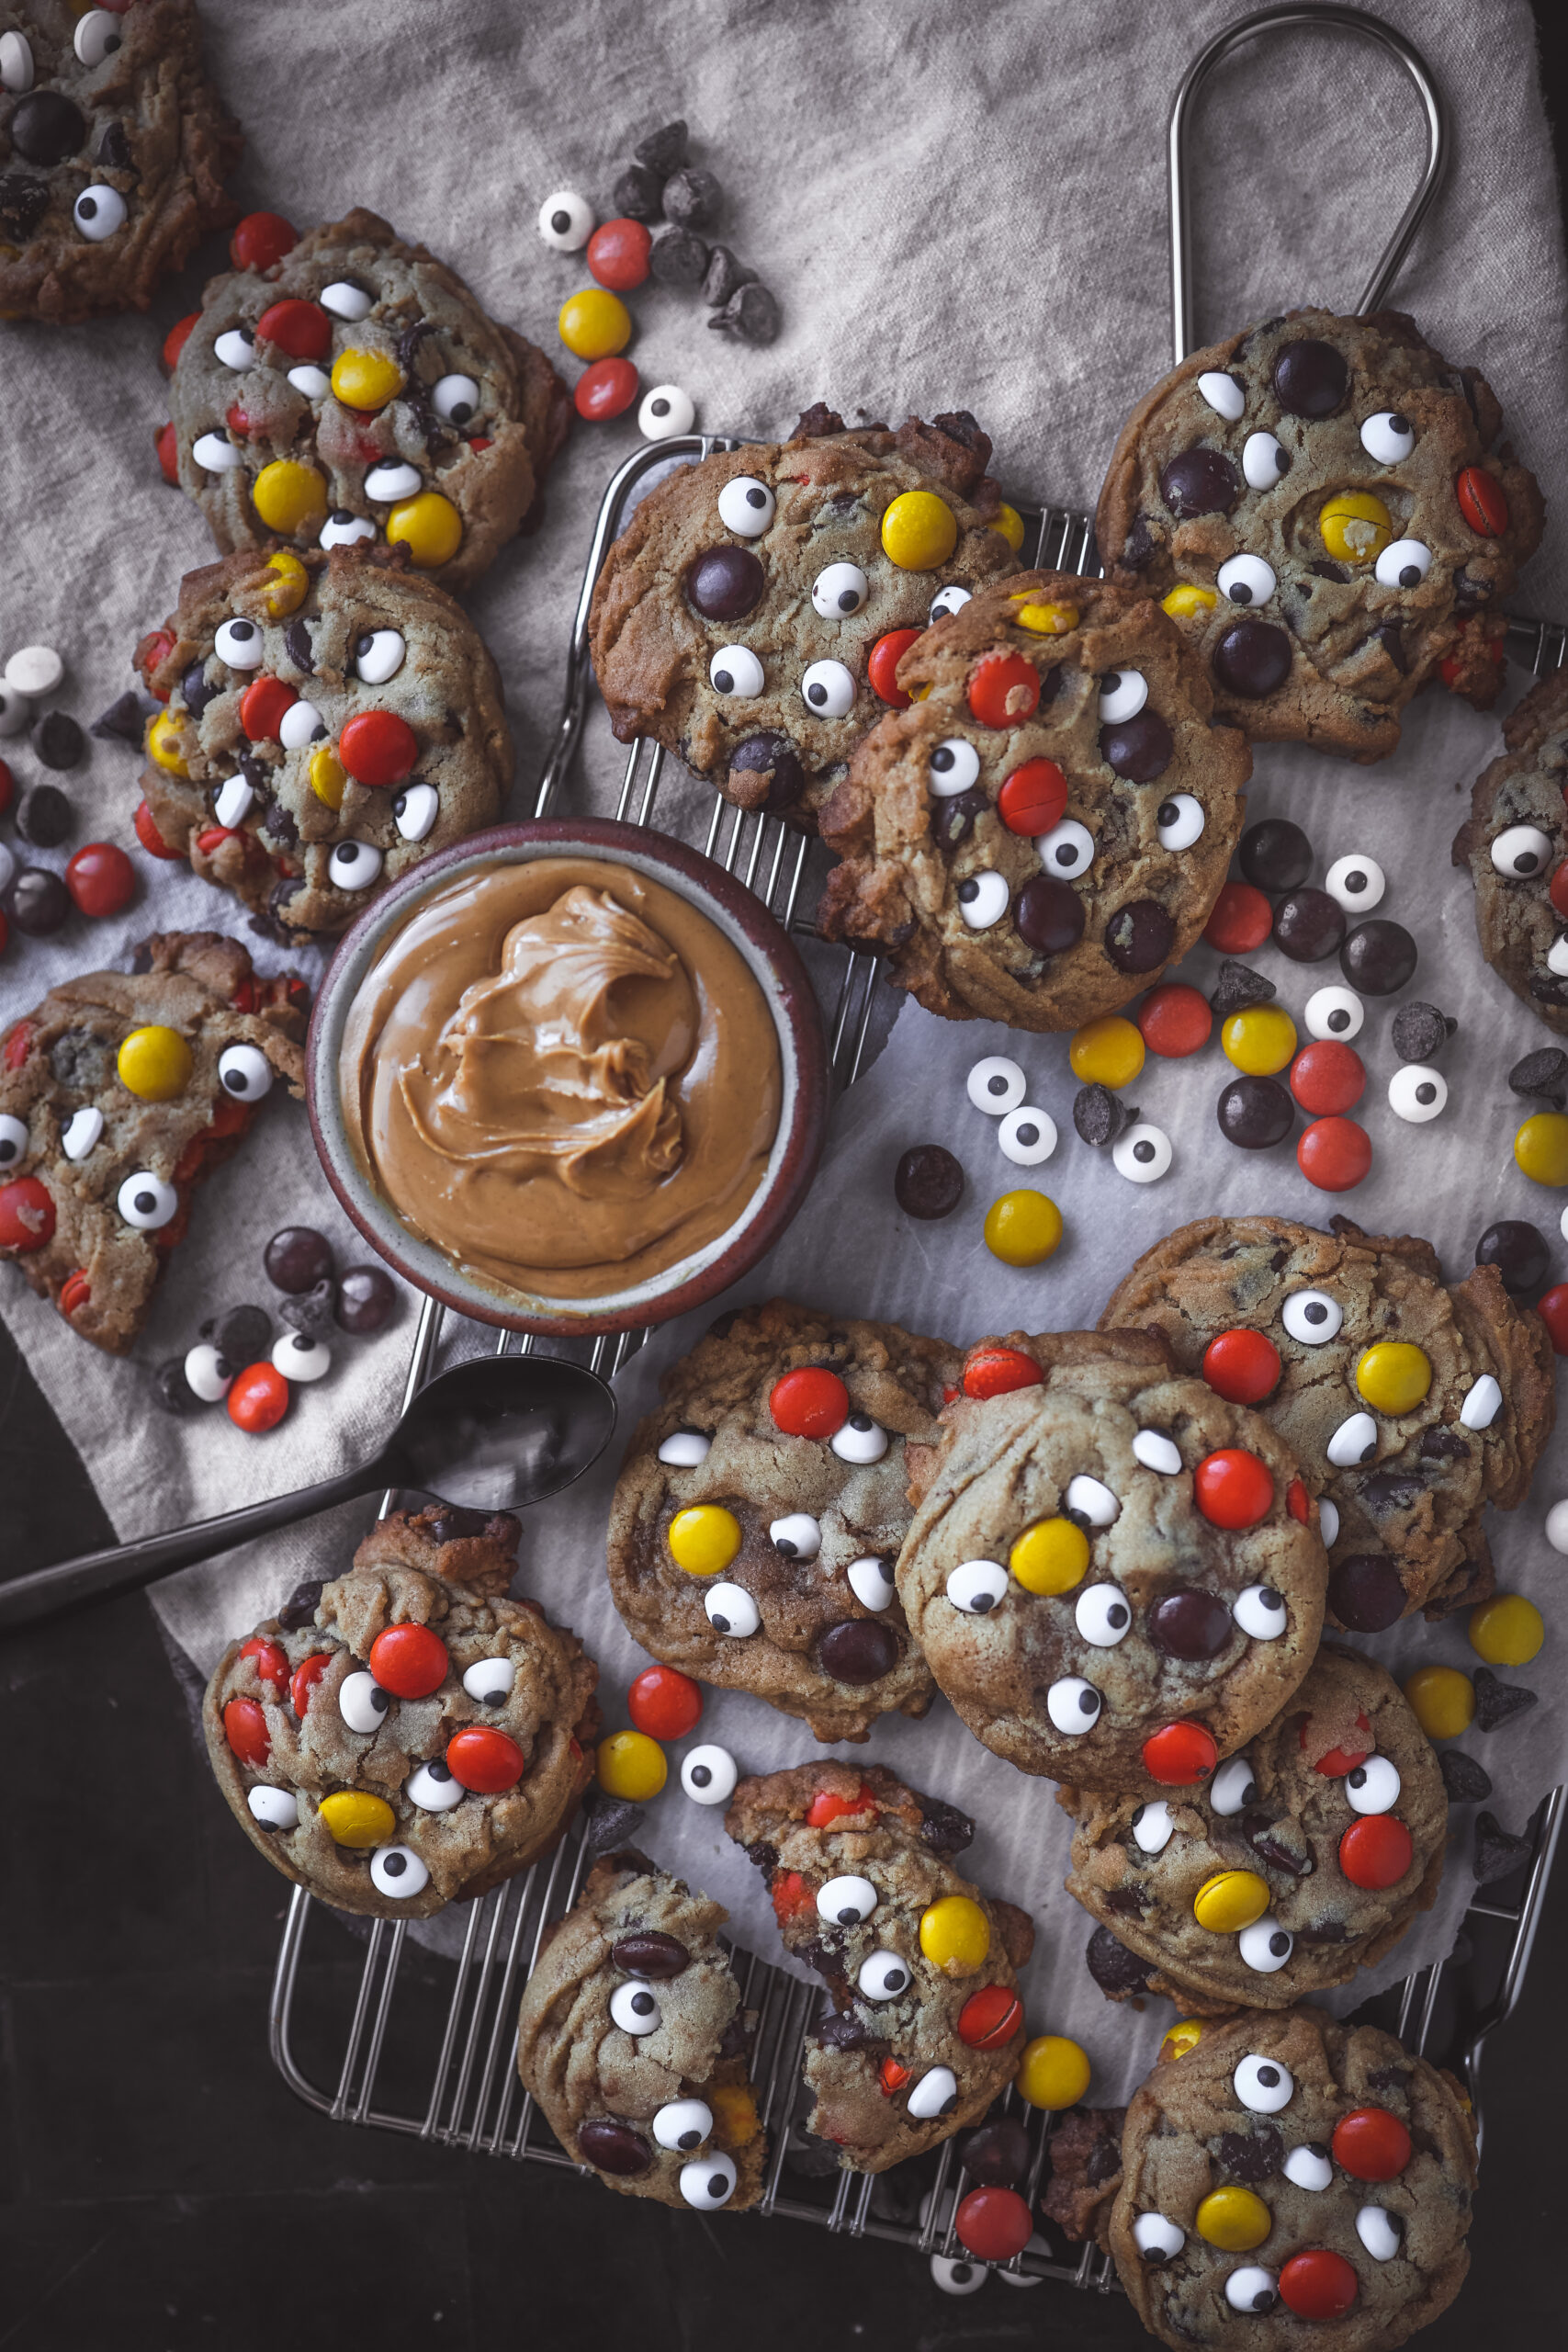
x: 658, y: 408
x: 1240, y: 594
x: 1316, y: 1314
x: 942, y: 759
x: 243, y: 630
x: 146, y: 1202
x: 1169, y: 812
x: 1355, y: 881
x: 87, y: 208
x: 756, y: 498
x: 860, y: 1420
x: 1280, y: 1943
x: 642, y: 2005
x: 363, y: 646
x: 395, y: 1865
x: 1410, y: 576
x: 1118, y: 1614
x: 848, y: 601
x: 723, y: 1626
x: 700, y: 1776
x: 1144, y: 1151
x: 1426, y: 1094
x: 962, y: 2274
x: 1340, y: 1021
x: 561, y: 222
x: 723, y: 681
x: 1525, y: 862
x: 995, y: 1086
x: 1110, y: 681
x: 1398, y: 423
x: 970, y: 890
x: 1358, y: 1778
x: 690, y: 2140
x: 818, y: 695
x: 1028, y: 1135
x: 439, y: 1771
x: 1090, y: 1702
x: 1267, y: 2076
x: 1068, y: 854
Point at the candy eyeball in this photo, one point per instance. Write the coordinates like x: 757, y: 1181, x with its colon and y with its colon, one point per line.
x: 956, y: 2276
x: 1417, y: 1092
x: 796, y: 1536
x: 1380, y: 2232
x: 683, y: 2124
x: 1222, y: 394
x: 378, y: 655
x: 870, y: 1584
x: 1328, y: 1522
x: 1355, y: 1440
x: 216, y: 454
x: 1181, y: 821
x: 1373, y: 1787
x: 566, y: 220
x: 1334, y: 1012
x: 1357, y: 883
x: 1263, y: 2085
x: 345, y: 300
x: 1123, y: 694
x: 1153, y: 1827
x: 859, y: 1439
x: 983, y: 899
x: 1158, y: 1451
x: 935, y: 2094
x: 234, y: 801
x: 1102, y: 1615
x: 15, y: 63
x: 995, y: 1085
x: 207, y: 1374
x: 1260, y: 1610
x: 1073, y: 1705
x: 313, y: 384
x: 299, y: 1358
x: 392, y: 481
x: 665, y: 410
x: 1252, y: 2289
x: 455, y: 399
x: 634, y: 2008
x: 1157, y: 2239
x: 1263, y: 461
x: 1142, y: 1153
x: 1403, y: 564
x: 362, y: 1702
x: 883, y: 1977
x: 98, y: 213
x: 731, y: 1610
x: 949, y: 600
x: 1231, y: 1787
x: 1520, y: 853
x: 342, y: 529
x: 1246, y: 580
x: 81, y: 1133
x: 434, y: 1787
x: 708, y: 2182
x: 14, y: 1139
x: 396, y: 1870
x: 240, y: 643
x: 953, y: 767
x: 1482, y: 1405
x: 1387, y: 438
x: 1067, y: 848
x: 273, y: 1808
x: 147, y: 1202
x: 1313, y: 1317
x: 236, y: 348
x: 1027, y: 1136
x: 736, y: 671
x: 488, y: 1682
x: 746, y: 506
x: 839, y: 590
x: 684, y: 1449
x: 828, y: 689
x: 414, y: 811
x: 709, y: 1775
x: 354, y: 865
x: 976, y: 1586
x: 1310, y: 2166
x: 1092, y: 1501
x: 245, y: 1072
x: 846, y: 1902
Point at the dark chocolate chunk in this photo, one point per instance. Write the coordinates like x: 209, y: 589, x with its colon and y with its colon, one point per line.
x: 299, y: 1610
x: 23, y: 203
x: 44, y: 816
x: 952, y: 820
x: 1099, y: 1117
x: 1190, y: 1624
x: 677, y: 257
x: 646, y: 1952
x: 242, y: 1336
x: 1542, y: 1075
x: 1420, y: 1032
x: 1140, y: 543
x: 1498, y: 1853
x: 1388, y: 2078
x: 1388, y: 636
x: 774, y: 756
x: 1324, y: 1931
x: 1262, y: 1834
x: 1127, y: 1901
x: 1466, y: 1780
x: 125, y: 722
x: 452, y: 1523
x: 663, y: 150
x: 611, y: 1825
x: 928, y: 1182
x: 1115, y: 1969
x: 943, y: 1828
x: 174, y: 1391
x: 1324, y: 569
x: 725, y: 276
x: 1444, y: 1445
x: 58, y: 741
x: 1497, y: 1703
x: 1391, y: 1490
x: 1520, y: 1252
x: 298, y: 645
x: 612, y: 2147
x: 691, y: 197
x: 752, y: 315
x: 1469, y: 589
x: 1238, y: 986
x: 114, y: 147
x: 1252, y: 2156
x: 314, y: 1312
x: 848, y: 2033
x: 636, y: 193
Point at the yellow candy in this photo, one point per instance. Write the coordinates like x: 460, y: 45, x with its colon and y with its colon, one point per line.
x: 156, y: 1064
x: 366, y: 379
x: 1260, y: 1039
x: 1233, y: 2220
x: 1009, y: 523
x: 704, y: 1539
x: 354, y: 1817
x: 594, y: 324
x: 1356, y: 526
x: 429, y: 526
x: 1186, y: 601
x: 1393, y: 1377
x: 955, y: 1934
x: 631, y: 1765
x: 1052, y: 2073
x: 1507, y: 1629
x: 163, y: 743
x: 292, y: 588
x: 919, y: 530
x: 1541, y: 1148
x: 289, y: 497
x: 1022, y: 1227
x: 1050, y: 1556
x: 328, y: 781
x: 1047, y: 620
x: 1229, y: 1901
x: 1184, y: 2035
x: 1443, y: 1699
x: 1108, y: 1052
x: 734, y: 2105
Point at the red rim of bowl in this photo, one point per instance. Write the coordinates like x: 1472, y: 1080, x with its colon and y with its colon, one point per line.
x: 791, y: 999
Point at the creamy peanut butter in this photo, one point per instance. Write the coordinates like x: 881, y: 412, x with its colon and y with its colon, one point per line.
x: 562, y: 1075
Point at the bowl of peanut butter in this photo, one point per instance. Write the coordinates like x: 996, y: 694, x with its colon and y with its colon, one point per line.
x: 569, y: 1078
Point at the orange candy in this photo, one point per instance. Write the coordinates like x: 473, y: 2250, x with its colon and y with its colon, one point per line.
x: 1004, y: 690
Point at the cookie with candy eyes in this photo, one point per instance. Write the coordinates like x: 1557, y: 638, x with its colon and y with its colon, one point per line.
x: 405, y: 1735
x: 759, y: 1512
x: 1050, y: 823
x: 926, y: 2024
x: 1306, y: 1856
x: 1513, y: 842
x: 1115, y: 1575
x: 750, y: 616
x: 356, y: 393
x: 119, y: 1094
x: 633, y: 2042
x: 1409, y: 1403
x: 328, y: 721
x: 1327, y: 509
x: 1287, y: 2167
x: 117, y: 148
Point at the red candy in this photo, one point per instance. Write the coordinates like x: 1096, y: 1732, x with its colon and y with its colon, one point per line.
x: 989, y: 2018
x: 1297, y: 1502
x: 1318, y: 2284
x: 1242, y: 920
x: 178, y: 336
x: 825, y: 1807
x: 617, y: 254
x: 1553, y: 1312
x: 8, y: 788
x: 261, y: 238
x: 1178, y: 1754
x: 245, y: 1728
x: 1241, y: 1366
x: 147, y: 834
x: 1328, y: 1077
x: 892, y: 2077
x: 1233, y: 1489
x: 664, y: 1702
x: 409, y: 1660
x: 27, y: 1214
x: 101, y: 878
x: 1370, y: 2145
x: 262, y: 706
x: 1334, y: 1154
x: 792, y: 1898
x: 74, y: 1292
x: 270, y: 1661
x: 1481, y: 502
x: 166, y: 441
x: 306, y: 1676
x: 996, y: 1372
x: 485, y: 1760
x: 882, y: 667
x: 994, y: 2223
x: 258, y: 1399
x: 302, y: 328
x: 1033, y: 798
x: 812, y: 1402
x: 378, y: 748
x: 1175, y: 1020
x: 1337, y: 1761
x: 1004, y: 690
x: 605, y: 389
x: 211, y: 840
x: 1376, y: 1851
x: 17, y: 1042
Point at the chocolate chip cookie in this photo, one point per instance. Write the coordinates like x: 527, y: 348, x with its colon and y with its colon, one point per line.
x: 1409, y: 1403
x: 1513, y: 842
x: 1306, y: 1857
x: 1116, y: 1575
x: 113, y: 154
x: 1049, y: 824
x: 750, y: 616
x: 117, y: 1094
x: 330, y: 721
x: 356, y: 393
x: 1326, y: 509
x: 1289, y: 2167
x: 927, y: 2024
x: 405, y: 1736
x: 634, y: 2043
x: 758, y: 1514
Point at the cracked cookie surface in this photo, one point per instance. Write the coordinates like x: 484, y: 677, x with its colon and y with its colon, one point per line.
x: 1513, y: 842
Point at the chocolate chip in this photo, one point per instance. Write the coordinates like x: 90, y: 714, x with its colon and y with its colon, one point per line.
x: 1497, y: 1703
x: 943, y: 1828
x: 284, y: 890
x: 1498, y: 1854
x: 1420, y: 1032
x: 243, y: 1335
x: 1256, y: 1112
x: 612, y: 2147
x: 125, y: 722
x: 1365, y: 1593
x: 725, y: 276
x: 1048, y: 915
x: 1139, y: 937
x: 928, y: 1182
x: 691, y: 197
x: 1127, y: 1901
x: 1542, y: 1075
x: 44, y: 816
x: 1252, y: 2156
x: 114, y: 148
x: 1308, y: 925
x: 80, y: 1062
x: 1261, y: 1833
x: 1275, y: 855
x: 774, y: 756
x: 1444, y: 1445
x: 1470, y: 590
x: 646, y: 1952
x: 725, y: 582
x: 1466, y: 1780
x: 23, y: 203
x: 1238, y: 986
x: 663, y: 150
x: 1189, y: 1624
x: 677, y: 257
x: 1139, y: 748
x: 46, y: 128
x: 1099, y: 1117
x: 1324, y: 570
x: 952, y: 820
x: 1520, y: 1252
x: 58, y: 741
x: 735, y: 2039
x: 1379, y: 957
x: 298, y: 645
x: 858, y: 1651
x: 1253, y: 658
x: 40, y: 903
x: 1391, y: 1490
x: 1115, y: 1969
x: 997, y: 2155
x: 299, y: 1610
x: 636, y: 193
x: 1311, y: 378
x: 1200, y: 482
x: 312, y: 1312
x: 172, y: 1389
x: 752, y: 315
x: 847, y: 2033
x: 451, y: 1522
x: 611, y: 1825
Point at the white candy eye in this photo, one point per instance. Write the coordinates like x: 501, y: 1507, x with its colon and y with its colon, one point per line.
x: 1373, y: 1787
x: 1231, y: 1787
x: 299, y: 1358
x: 948, y: 601
x: 345, y: 529
x: 1073, y: 1705
x: 846, y: 1902
x: 995, y: 1085
x: 345, y: 300
x: 883, y: 1976
x: 709, y: 1775
x: 1222, y: 394
x: 976, y: 1586
x: 1260, y: 1610
x: 1334, y: 1012
x: 870, y: 1584
x: 1263, y: 461
x: 1520, y: 853
x: 396, y: 1870
x: 1405, y: 563
x: 1417, y: 1093
x: 797, y: 1537
x: 965, y: 2278
x: 434, y: 1788
x: 244, y: 1072
x: 1153, y: 1827
x: 1482, y: 1405
x: 708, y: 2182
x: 362, y: 1702
x: 216, y: 454
x: 146, y: 1201
x: 684, y: 1449
x: 234, y: 802
x: 735, y: 670
x: 240, y: 643
x: 953, y: 767
x: 455, y: 399
x: 273, y: 1808
x: 1158, y: 1451
x: 1027, y: 1136
x: 566, y: 220
x: 488, y: 1680
x: 746, y: 506
x: 1123, y: 694
x: 634, y: 2008
x: 983, y: 899
x: 1557, y: 955
x: 80, y: 1135
x: 1142, y: 1153
x: 1181, y: 821
x: 207, y: 1374
x: 1252, y: 2289
x: 1157, y: 2239
x: 839, y: 590
x: 13, y: 1142
x: 414, y: 811
x: 1310, y: 2166
x: 1067, y: 849
x: 1387, y: 436
x: 683, y: 2124
x: 15, y: 63
x: 1091, y: 1499
x: 236, y: 348
x: 301, y: 723
x: 1246, y: 580
x: 1311, y: 1316
x: 392, y: 480
x: 731, y: 1610
x: 354, y: 865
x: 1328, y: 1521
x: 1102, y: 1615
x: 1263, y: 2085
x: 1356, y: 1439
x: 1357, y: 882
x: 1380, y: 2232
x: 859, y: 1439
x: 378, y: 655
x: 935, y: 2094
x: 98, y: 213
x: 666, y: 410
x: 312, y: 383
x: 828, y: 688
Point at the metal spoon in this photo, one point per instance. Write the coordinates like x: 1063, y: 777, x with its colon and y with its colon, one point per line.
x: 494, y: 1434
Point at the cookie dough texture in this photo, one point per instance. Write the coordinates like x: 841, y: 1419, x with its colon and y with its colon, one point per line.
x: 1005, y: 1465
x: 1329, y: 654
x: 1287, y: 1833
x: 487, y: 463
x: 142, y: 128
x: 1524, y: 935
x: 1188, y: 2132
x: 583, y: 2068
x: 449, y: 1570
x: 762, y: 1475
x: 61, y: 1060
x: 864, y: 2062
x: 653, y: 647
x: 1416, y: 1500
x: 1083, y: 926
x: 316, y: 621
